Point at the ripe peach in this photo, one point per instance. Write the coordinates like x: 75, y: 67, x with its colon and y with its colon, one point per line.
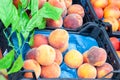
x: 64, y: 48
x: 96, y: 56
x: 58, y: 38
x: 113, y: 21
x: 31, y: 54
x: 76, y: 9
x: 85, y: 57
x: 59, y: 57
x: 86, y: 70
x: 51, y: 71
x: 73, y: 21
x: 31, y: 64
x: 115, y: 42
x: 111, y: 11
x: 41, y: 3
x: 54, y: 23
x: 73, y: 58
x: 118, y: 53
x: 114, y: 2
x: 99, y: 12
x: 39, y: 39
x: 103, y: 70
x: 68, y: 3
x: 99, y: 3
x: 45, y: 55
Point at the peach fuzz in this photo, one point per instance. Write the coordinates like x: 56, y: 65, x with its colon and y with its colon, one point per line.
x: 45, y: 55
x: 103, y: 70
x: 73, y: 58
x: 31, y: 64
x: 86, y: 70
x: 76, y: 9
x: 73, y: 21
x: 51, y: 71
x: 58, y: 38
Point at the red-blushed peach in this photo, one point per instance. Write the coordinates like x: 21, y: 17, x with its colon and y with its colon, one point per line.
x: 1, y: 54
x: 73, y: 21
x: 76, y: 9
x: 87, y: 71
x: 103, y: 70
x: 59, y: 57
x: 99, y: 12
x: 54, y: 23
x: 85, y: 54
x: 96, y: 56
x: 45, y: 55
x: 58, y: 38
x: 31, y: 64
x: 73, y: 58
x: 39, y: 39
x: 50, y: 71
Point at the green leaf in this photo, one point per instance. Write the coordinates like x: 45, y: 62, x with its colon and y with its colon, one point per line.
x: 42, y: 25
x: 24, y: 3
x: 17, y: 65
x: 34, y: 6
x: 7, y: 60
x: 19, y: 39
x: 49, y: 11
x: 25, y: 34
x: 31, y: 41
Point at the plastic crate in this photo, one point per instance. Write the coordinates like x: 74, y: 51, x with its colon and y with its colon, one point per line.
x: 99, y: 34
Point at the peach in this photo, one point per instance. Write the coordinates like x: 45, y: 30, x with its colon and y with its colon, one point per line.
x: 113, y: 21
x: 85, y: 57
x: 45, y: 55
x: 58, y: 38
x: 115, y: 2
x: 54, y: 23
x: 115, y: 42
x: 64, y: 48
x: 59, y: 57
x: 119, y: 24
x: 31, y: 54
x: 99, y: 3
x: 41, y: 3
x: 103, y: 70
x: 68, y: 3
x: 96, y: 56
x: 118, y: 53
x: 73, y: 21
x: 39, y: 39
x: 73, y: 58
x: 51, y: 71
x: 76, y: 9
x: 99, y: 12
x: 31, y: 64
x: 16, y: 2
x: 1, y: 54
x: 86, y: 70
x: 111, y: 11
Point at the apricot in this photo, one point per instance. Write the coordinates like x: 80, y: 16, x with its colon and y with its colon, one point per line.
x: 111, y: 11
x: 31, y: 54
x: 45, y: 55
x: 85, y: 57
x: 86, y: 70
x: 39, y: 39
x: 31, y: 64
x: 68, y: 3
x: 113, y: 21
x: 41, y: 3
x: 99, y: 12
x: 51, y: 71
x: 58, y: 38
x: 59, y: 57
x: 64, y: 48
x: 103, y: 70
x: 73, y: 21
x: 73, y: 58
x: 54, y: 23
x: 76, y: 9
x: 96, y: 56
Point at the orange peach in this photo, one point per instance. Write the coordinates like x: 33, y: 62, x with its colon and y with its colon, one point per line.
x: 96, y: 56
x: 86, y: 70
x: 59, y: 57
x: 111, y: 11
x: 119, y: 24
x: 99, y: 12
x: 54, y: 23
x: 73, y: 58
x: 31, y: 64
x: 39, y: 39
x: 45, y: 55
x: 76, y: 9
x: 58, y: 38
x: 50, y: 71
x: 103, y: 70
x: 73, y: 21
x: 41, y: 3
x: 114, y: 2
x: 113, y: 21
x: 118, y: 53
x: 68, y: 3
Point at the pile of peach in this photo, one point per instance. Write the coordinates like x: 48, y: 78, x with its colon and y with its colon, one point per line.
x: 109, y: 10
x: 45, y: 58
